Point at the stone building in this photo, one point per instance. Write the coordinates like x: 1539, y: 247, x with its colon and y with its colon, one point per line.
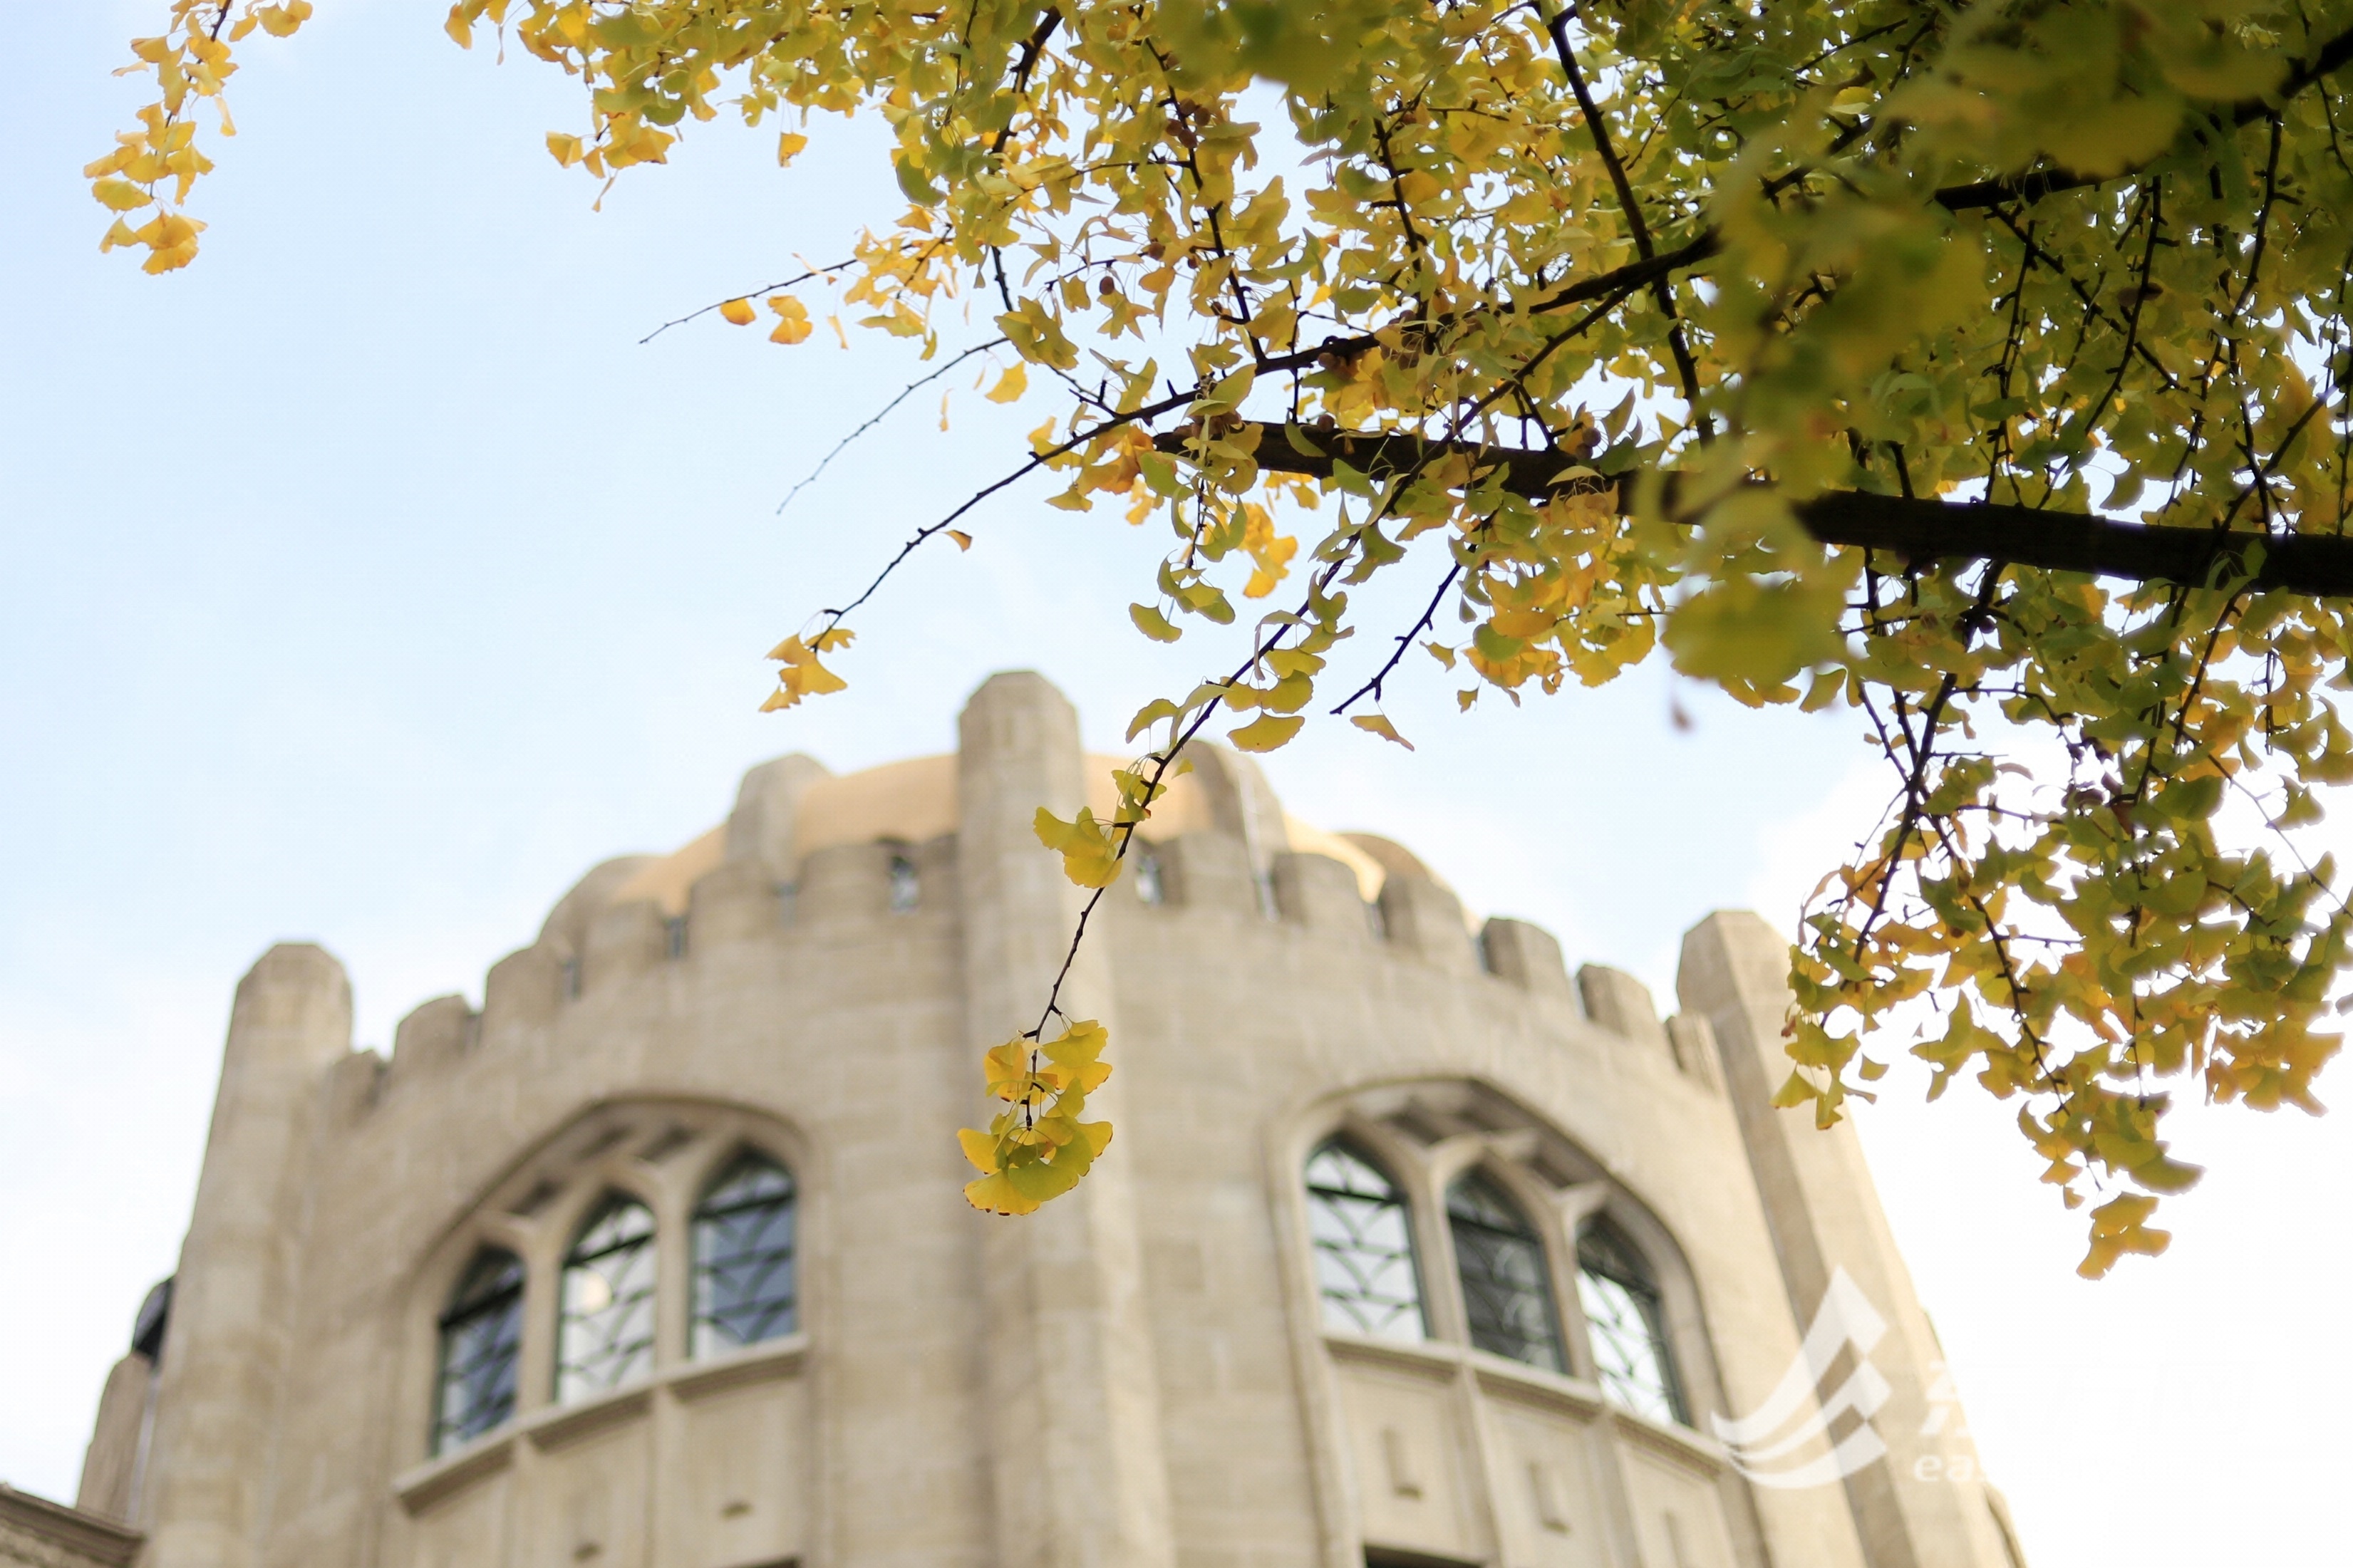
x: 1410, y: 1251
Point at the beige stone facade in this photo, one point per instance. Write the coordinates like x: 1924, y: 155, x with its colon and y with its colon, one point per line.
x: 1147, y: 1373
x: 38, y: 1534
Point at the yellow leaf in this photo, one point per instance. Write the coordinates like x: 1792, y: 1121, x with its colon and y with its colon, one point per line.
x: 994, y: 1195
x: 803, y: 675
x: 788, y: 146
x: 565, y: 150
x: 1153, y: 624
x: 120, y: 194
x: 739, y: 312
x: 1090, y: 857
x: 1380, y: 726
x: 962, y: 540
x: 980, y: 1149
x: 1011, y: 384
x: 1266, y: 732
x: 792, y: 320
x: 279, y: 21
x: 1041, y: 1181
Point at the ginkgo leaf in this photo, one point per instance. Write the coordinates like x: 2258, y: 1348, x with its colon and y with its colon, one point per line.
x: 1153, y: 624
x: 120, y: 194
x: 2085, y: 260
x: 793, y: 325
x: 980, y: 1149
x: 1011, y: 384
x: 1380, y: 725
x: 1267, y: 732
x: 996, y: 1194
x: 1090, y: 854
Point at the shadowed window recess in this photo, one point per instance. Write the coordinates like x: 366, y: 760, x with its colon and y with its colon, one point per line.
x: 606, y: 1335
x: 907, y: 886
x: 1627, y: 1325
x: 481, y: 1334
x: 1506, y: 1282
x: 743, y: 1256
x: 1364, y: 1265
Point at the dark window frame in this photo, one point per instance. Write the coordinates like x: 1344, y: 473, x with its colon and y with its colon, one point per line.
x: 771, y: 1310
x: 1505, y: 1270
x: 488, y: 1297
x: 1613, y: 1272
x: 628, y: 1266
x: 1328, y: 1202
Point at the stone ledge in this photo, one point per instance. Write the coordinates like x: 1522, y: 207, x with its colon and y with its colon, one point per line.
x: 1526, y: 1385
x: 554, y: 1426
x: 83, y: 1537
x: 1690, y: 1449
x: 428, y: 1484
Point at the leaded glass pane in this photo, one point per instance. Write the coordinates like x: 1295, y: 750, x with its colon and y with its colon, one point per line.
x: 743, y: 1276
x: 605, y: 1334
x: 1364, y: 1247
x: 1628, y: 1329
x: 1506, y: 1284
x: 481, y: 1334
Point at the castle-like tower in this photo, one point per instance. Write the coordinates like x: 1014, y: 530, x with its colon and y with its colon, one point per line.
x: 1410, y: 1250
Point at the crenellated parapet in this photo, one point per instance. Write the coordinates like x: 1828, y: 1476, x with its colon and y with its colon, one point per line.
x: 1415, y: 1244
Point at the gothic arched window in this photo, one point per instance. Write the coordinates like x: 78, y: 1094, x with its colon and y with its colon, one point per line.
x: 1363, y: 1246
x: 1506, y: 1282
x: 1624, y: 1320
x: 743, y: 1274
x: 481, y: 1333
x: 605, y: 1334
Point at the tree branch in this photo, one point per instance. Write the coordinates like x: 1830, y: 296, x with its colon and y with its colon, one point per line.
x: 1918, y: 530
x: 2333, y: 56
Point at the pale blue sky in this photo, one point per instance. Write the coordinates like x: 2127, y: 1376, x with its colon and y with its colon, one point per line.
x: 368, y: 582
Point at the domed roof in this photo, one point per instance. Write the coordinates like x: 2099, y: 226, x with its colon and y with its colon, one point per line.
x: 915, y: 800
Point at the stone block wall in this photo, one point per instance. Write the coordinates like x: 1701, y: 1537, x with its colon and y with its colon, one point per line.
x: 1139, y: 1374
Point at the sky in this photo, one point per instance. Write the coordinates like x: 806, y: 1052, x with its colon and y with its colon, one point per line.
x: 369, y: 580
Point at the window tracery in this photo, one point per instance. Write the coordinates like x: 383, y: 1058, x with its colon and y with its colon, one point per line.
x: 1506, y: 1279
x: 481, y: 1340
x: 1560, y: 1286
x: 1364, y: 1265
x: 745, y: 1286
x: 1626, y: 1324
x: 604, y: 1335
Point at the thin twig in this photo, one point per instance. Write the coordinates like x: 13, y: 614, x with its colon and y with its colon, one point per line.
x: 905, y: 393
x: 759, y: 293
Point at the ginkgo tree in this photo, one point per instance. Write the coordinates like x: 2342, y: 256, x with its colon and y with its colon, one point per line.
x: 1978, y: 368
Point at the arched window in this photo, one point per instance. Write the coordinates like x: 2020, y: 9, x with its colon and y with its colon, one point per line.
x: 481, y: 1331
x: 1363, y: 1246
x: 744, y: 1232
x: 1151, y: 885
x: 1506, y: 1283
x: 1623, y: 1318
x: 606, y: 1335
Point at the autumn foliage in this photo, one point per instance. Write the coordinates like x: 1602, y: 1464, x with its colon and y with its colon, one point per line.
x: 1625, y: 288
